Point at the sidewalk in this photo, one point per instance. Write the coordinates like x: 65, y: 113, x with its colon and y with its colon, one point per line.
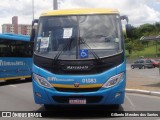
x: 143, y: 79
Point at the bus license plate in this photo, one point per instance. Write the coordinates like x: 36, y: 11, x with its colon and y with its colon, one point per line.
x: 77, y: 101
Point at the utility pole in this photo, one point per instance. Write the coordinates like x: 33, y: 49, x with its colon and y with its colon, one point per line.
x: 33, y: 8
x: 55, y: 5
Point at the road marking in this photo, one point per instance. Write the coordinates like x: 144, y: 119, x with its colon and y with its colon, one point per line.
x: 128, y: 67
x: 12, y: 85
x: 130, y: 102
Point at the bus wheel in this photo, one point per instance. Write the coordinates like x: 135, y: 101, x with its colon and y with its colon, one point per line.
x: 132, y: 67
x: 48, y: 107
x: 117, y: 106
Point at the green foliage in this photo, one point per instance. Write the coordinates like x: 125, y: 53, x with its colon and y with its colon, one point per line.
x: 138, y: 46
x: 146, y: 29
x: 135, y: 46
x: 149, y: 51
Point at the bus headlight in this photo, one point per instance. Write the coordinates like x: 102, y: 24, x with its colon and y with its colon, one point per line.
x: 114, y: 80
x: 41, y: 81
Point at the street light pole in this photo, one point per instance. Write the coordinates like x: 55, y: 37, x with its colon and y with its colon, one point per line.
x: 33, y: 8
x: 55, y: 5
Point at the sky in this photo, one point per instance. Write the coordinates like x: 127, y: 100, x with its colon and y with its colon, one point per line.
x: 138, y: 11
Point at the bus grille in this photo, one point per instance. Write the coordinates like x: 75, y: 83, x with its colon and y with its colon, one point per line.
x: 77, y: 89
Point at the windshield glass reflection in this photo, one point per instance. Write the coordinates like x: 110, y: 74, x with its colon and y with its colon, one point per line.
x: 78, y: 37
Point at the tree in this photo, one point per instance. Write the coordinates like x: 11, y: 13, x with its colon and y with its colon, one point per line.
x: 133, y: 43
x: 129, y: 45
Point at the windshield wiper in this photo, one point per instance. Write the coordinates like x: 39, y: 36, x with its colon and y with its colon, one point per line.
x: 61, y: 50
x: 98, y: 59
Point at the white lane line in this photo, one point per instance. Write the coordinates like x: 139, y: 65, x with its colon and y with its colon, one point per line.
x: 12, y: 85
x: 128, y: 68
x: 132, y: 104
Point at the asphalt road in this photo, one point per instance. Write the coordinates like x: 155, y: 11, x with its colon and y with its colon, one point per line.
x: 19, y: 97
x: 144, y: 79
x: 152, y: 73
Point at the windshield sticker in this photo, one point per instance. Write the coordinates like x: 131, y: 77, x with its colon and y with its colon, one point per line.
x: 84, y: 53
x: 67, y: 33
x: 44, y: 42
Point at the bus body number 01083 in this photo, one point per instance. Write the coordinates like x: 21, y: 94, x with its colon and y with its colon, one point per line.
x: 89, y: 80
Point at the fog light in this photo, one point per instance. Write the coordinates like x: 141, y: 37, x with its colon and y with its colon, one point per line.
x: 117, y: 94
x: 38, y: 94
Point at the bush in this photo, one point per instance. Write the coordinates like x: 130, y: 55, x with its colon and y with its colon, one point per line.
x: 158, y: 54
x: 127, y: 56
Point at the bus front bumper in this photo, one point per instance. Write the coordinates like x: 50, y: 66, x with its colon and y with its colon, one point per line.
x: 104, y: 96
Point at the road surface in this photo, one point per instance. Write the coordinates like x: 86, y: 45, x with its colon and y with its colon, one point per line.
x: 19, y: 97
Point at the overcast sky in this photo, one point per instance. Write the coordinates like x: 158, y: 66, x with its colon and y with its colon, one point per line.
x: 139, y: 11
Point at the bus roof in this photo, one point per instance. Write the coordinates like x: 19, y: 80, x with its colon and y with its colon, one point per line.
x: 10, y: 36
x: 79, y: 12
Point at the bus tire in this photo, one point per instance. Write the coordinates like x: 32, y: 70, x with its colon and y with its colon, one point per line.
x: 116, y: 106
x: 47, y: 107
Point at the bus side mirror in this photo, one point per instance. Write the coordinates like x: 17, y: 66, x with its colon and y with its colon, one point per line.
x: 32, y: 36
x: 33, y: 31
x: 128, y: 30
x: 128, y: 26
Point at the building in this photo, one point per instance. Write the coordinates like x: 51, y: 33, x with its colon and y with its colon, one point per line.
x: 16, y: 28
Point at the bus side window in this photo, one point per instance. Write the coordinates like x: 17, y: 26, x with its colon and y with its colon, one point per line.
x: 28, y: 49
x: 4, y: 48
x: 16, y: 52
x: 0, y: 51
x: 6, y: 52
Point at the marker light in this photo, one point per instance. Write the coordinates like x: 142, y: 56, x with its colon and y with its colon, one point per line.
x: 38, y: 94
x: 113, y: 80
x: 41, y: 81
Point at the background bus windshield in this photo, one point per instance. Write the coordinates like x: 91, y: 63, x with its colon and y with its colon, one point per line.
x: 77, y: 37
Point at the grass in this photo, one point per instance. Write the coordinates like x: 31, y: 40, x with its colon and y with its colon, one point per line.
x: 149, y: 52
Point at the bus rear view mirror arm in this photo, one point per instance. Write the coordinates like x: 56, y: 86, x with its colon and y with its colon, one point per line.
x: 128, y: 26
x: 124, y: 17
x: 34, y: 21
x: 33, y: 31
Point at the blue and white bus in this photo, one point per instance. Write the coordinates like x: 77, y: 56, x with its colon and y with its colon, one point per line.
x: 15, y: 56
x: 79, y: 58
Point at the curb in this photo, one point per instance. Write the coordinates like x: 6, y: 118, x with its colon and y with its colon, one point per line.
x: 153, y: 93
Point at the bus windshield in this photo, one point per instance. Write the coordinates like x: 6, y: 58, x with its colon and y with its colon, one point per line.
x: 79, y: 36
